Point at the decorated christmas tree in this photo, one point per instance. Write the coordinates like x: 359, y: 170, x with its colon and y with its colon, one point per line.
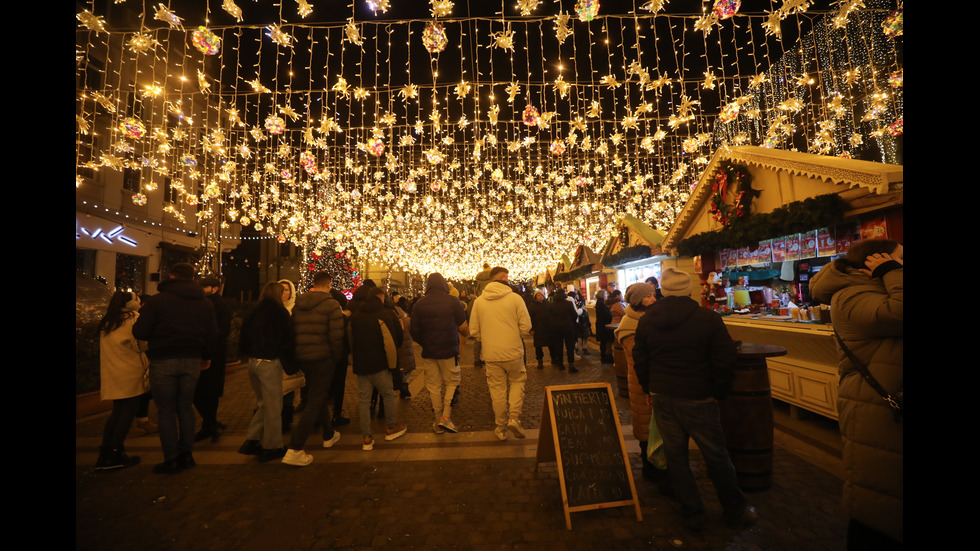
x: 337, y: 263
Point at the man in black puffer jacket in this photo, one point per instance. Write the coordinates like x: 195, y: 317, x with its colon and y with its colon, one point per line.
x: 320, y: 332
x: 683, y: 357
x: 437, y: 320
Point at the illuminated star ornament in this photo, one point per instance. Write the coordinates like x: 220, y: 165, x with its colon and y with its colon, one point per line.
x: 441, y: 8
x: 141, y: 43
x: 304, y: 8
x: 562, y: 30
x: 504, y: 39
x: 232, y: 9
x: 278, y: 36
x: 91, y: 22
x: 379, y: 5
x: 167, y: 16
x: 527, y: 6
x: 653, y: 6
x: 353, y: 34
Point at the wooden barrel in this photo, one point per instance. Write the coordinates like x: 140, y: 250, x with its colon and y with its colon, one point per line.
x: 619, y: 364
x: 746, y: 416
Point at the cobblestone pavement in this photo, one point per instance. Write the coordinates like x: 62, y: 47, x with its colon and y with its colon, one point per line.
x: 427, y: 491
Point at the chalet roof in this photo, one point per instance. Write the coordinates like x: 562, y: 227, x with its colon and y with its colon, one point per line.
x: 823, y: 174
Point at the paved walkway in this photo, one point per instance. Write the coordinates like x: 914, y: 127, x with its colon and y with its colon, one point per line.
x: 427, y: 491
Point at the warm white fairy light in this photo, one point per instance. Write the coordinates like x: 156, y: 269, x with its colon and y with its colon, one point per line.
x: 463, y: 179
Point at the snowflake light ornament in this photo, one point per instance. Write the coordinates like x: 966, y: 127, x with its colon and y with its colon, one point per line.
x: 232, y: 9
x: 141, y: 43
x: 304, y: 8
x: 169, y: 17
x: 441, y: 8
x: 352, y: 33
x: 91, y: 21
x: 279, y: 36
x: 562, y: 30
x: 504, y: 39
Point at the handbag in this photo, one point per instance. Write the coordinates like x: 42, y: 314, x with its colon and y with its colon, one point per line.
x: 896, y: 400
x: 391, y: 352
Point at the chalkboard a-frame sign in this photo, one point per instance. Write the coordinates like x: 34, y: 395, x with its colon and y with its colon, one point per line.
x: 580, y: 430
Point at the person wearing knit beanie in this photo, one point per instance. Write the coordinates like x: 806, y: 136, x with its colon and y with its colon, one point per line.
x: 636, y: 292
x: 675, y: 283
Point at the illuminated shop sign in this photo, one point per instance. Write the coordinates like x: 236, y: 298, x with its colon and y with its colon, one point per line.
x: 110, y: 237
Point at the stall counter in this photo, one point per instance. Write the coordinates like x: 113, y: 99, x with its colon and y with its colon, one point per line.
x: 806, y: 377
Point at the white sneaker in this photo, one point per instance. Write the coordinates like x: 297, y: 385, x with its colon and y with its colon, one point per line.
x: 332, y: 441
x: 436, y: 428
x: 447, y: 425
x: 368, y: 443
x: 515, y: 427
x: 500, y: 433
x: 297, y: 458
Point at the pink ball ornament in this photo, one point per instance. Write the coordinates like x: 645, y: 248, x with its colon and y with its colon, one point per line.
x: 726, y: 8
x: 587, y: 9
x: 131, y: 127
x: 206, y: 41
x: 274, y: 124
x: 375, y: 147
x: 531, y: 116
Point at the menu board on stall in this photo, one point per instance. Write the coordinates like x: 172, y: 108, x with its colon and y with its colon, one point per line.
x: 764, y: 252
x: 846, y: 234
x: 874, y: 228
x: 792, y: 247
x: 744, y: 256
x: 779, y: 249
x: 826, y: 244
x: 808, y: 244
x: 580, y: 430
x: 729, y: 258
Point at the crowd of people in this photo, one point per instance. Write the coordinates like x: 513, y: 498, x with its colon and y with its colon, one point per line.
x: 679, y: 358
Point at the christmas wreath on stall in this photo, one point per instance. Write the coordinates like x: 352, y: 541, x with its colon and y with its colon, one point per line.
x: 738, y: 179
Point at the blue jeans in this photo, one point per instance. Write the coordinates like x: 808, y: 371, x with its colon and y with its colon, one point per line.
x: 172, y: 382
x: 380, y: 380
x: 679, y: 419
x: 266, y: 425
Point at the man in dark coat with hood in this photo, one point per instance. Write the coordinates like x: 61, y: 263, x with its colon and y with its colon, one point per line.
x: 438, y: 318
x: 181, y: 329
x: 684, y: 359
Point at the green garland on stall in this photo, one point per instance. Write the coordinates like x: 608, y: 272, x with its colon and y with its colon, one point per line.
x: 796, y: 217
x: 574, y: 274
x: 629, y: 254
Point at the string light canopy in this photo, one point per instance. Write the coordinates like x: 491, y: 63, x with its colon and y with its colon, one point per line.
x: 438, y: 138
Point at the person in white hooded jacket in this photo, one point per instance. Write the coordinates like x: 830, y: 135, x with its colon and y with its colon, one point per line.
x: 499, y: 320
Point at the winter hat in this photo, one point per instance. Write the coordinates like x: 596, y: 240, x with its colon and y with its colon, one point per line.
x: 675, y: 283
x: 636, y: 292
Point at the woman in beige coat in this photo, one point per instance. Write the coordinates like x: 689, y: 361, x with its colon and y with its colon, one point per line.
x: 123, y: 371
x: 638, y: 297
x: 865, y: 290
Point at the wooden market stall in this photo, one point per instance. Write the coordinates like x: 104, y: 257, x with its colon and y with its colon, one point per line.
x: 795, y: 208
